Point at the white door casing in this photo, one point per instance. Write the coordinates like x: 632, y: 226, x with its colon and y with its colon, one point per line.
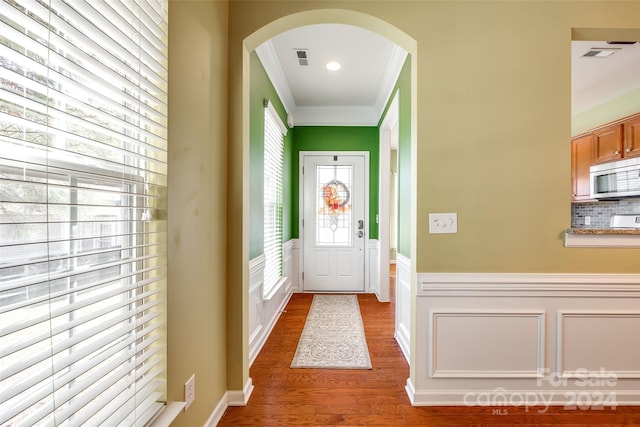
x: 334, y: 221
x: 388, y: 137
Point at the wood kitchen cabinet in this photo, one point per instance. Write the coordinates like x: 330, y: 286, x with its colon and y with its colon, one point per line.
x: 607, y: 143
x: 581, y: 152
x: 613, y: 141
x: 632, y: 137
x: 616, y: 141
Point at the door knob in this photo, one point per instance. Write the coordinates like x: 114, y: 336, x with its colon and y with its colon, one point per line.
x: 360, y: 233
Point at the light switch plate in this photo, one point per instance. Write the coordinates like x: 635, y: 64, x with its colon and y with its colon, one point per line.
x: 443, y: 223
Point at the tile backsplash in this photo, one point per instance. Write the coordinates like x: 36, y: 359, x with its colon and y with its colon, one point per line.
x: 601, y: 212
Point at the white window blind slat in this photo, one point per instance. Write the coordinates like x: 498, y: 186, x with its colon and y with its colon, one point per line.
x: 128, y: 408
x: 83, y: 115
x: 121, y: 349
x: 45, y: 390
x: 56, y: 293
x: 122, y: 16
x: 92, y: 296
x: 66, y: 326
x: 107, y: 130
x: 115, y: 156
x: 274, y: 131
x: 92, y: 339
x: 119, y: 49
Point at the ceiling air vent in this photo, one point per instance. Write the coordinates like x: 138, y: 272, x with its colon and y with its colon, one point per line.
x: 601, y: 52
x: 302, y: 56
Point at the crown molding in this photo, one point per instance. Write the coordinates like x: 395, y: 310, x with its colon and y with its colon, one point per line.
x: 338, y: 115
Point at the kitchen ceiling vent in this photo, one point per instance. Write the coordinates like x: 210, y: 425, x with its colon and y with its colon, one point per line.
x: 302, y: 56
x: 601, y: 52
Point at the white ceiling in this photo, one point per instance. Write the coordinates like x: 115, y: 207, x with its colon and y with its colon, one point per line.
x: 358, y: 92
x: 313, y: 95
x: 596, y: 80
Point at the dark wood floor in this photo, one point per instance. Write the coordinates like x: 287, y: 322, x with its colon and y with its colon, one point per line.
x: 320, y: 397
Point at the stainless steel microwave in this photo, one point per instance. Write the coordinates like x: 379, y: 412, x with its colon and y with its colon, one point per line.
x: 615, y: 179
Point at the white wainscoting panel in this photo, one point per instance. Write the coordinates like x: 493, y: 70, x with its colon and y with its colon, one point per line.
x: 403, y: 304
x: 374, y: 269
x: 598, y: 342
x: 511, y: 335
x: 295, y: 265
x: 256, y: 280
x: 288, y: 266
x: 508, y: 344
x: 264, y: 313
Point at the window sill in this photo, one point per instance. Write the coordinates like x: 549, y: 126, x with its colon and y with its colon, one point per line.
x: 168, y: 415
x: 269, y: 293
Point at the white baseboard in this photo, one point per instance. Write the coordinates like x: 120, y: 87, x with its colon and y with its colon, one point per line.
x: 218, y: 412
x: 411, y: 391
x: 403, y: 339
x: 230, y: 398
x: 501, y: 397
x: 241, y: 397
x: 403, y: 304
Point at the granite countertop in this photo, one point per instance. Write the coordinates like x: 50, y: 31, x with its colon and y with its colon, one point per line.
x: 605, y: 231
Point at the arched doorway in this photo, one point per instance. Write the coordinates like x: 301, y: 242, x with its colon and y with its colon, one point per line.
x: 249, y: 45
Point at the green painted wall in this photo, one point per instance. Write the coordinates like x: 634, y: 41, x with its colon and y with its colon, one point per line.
x: 337, y: 138
x: 615, y: 109
x: 261, y: 89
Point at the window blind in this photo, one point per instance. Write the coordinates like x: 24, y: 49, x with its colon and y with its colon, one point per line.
x: 83, y: 184
x: 274, y: 131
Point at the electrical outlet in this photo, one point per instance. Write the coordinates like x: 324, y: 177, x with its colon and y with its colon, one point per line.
x: 443, y: 223
x: 587, y: 220
x: 189, y: 391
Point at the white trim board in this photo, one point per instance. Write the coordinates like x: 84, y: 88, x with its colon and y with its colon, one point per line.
x: 496, y: 397
x: 527, y: 284
x: 402, y: 332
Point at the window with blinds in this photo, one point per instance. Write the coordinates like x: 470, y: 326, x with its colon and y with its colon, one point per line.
x: 83, y: 183
x: 274, y: 132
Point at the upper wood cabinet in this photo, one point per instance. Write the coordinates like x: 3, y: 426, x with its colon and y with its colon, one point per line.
x: 607, y: 144
x: 632, y: 137
x: 616, y: 141
x: 580, y: 163
x: 613, y: 141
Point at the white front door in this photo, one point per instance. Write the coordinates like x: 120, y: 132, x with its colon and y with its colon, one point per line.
x: 334, y: 222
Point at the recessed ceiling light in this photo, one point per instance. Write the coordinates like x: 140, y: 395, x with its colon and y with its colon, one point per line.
x: 333, y: 66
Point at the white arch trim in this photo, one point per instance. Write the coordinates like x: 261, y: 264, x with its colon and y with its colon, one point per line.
x: 311, y: 17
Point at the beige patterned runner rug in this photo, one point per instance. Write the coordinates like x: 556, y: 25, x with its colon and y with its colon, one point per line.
x: 333, y: 335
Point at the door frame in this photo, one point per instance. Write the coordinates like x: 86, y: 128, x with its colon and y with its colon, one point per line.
x: 367, y: 185
x: 390, y: 121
